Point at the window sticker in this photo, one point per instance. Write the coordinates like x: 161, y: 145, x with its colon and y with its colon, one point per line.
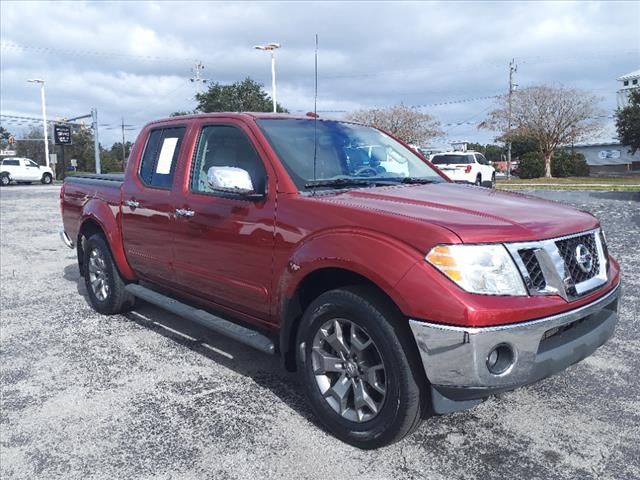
x: 166, y: 156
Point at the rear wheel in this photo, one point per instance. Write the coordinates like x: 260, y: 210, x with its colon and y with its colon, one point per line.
x: 105, y: 286
x: 4, y: 179
x: 359, y: 369
x: 46, y: 179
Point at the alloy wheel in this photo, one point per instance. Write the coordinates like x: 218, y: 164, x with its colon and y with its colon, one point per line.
x: 98, y: 277
x: 349, y: 370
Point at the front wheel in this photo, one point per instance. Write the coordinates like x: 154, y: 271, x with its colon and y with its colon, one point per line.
x: 359, y: 368
x: 105, y: 286
x: 46, y: 179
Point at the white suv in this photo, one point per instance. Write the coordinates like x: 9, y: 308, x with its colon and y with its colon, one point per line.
x: 466, y: 167
x: 23, y: 170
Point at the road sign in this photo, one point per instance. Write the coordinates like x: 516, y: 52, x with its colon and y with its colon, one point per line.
x: 53, y: 158
x: 74, y: 163
x: 62, y: 134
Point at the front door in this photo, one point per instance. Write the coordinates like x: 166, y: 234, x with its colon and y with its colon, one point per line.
x: 224, y: 245
x: 148, y: 217
x: 30, y: 170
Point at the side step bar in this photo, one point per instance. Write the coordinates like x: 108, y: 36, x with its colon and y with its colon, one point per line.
x: 208, y: 320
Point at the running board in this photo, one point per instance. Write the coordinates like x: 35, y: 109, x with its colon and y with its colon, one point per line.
x: 208, y: 320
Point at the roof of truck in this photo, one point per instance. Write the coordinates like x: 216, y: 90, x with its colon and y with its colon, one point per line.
x: 253, y: 115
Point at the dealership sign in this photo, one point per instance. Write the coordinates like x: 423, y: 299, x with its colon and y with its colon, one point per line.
x: 62, y: 134
x: 609, y: 154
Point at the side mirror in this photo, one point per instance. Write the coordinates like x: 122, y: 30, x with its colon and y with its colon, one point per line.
x: 234, y: 181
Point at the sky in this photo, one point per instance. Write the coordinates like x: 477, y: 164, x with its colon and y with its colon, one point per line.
x: 134, y: 60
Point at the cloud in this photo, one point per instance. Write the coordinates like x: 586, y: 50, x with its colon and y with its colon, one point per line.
x: 134, y: 59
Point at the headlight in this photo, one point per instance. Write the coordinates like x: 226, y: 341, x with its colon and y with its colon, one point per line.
x: 486, y: 269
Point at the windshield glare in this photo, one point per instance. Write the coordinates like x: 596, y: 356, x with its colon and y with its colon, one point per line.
x: 345, y: 151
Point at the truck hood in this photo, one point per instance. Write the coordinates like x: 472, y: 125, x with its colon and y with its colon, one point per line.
x: 474, y: 214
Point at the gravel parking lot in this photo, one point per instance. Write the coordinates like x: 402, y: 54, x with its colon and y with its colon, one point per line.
x: 148, y: 395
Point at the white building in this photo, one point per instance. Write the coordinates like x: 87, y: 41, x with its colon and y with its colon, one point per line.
x: 629, y: 82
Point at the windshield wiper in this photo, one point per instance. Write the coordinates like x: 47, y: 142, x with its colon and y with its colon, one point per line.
x: 342, y: 182
x: 421, y: 180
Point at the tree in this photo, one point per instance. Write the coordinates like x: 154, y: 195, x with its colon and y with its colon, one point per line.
x: 406, y: 123
x: 245, y: 96
x: 628, y: 122
x: 551, y: 116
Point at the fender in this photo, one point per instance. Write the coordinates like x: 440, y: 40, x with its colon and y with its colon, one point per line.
x: 107, y: 216
x: 379, y: 258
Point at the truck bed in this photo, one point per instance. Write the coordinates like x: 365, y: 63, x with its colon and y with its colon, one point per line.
x: 106, y: 179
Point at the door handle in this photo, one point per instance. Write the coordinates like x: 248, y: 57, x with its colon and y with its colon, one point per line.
x: 183, y: 212
x: 132, y: 203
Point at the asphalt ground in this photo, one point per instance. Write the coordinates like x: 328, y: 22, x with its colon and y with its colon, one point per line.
x: 148, y: 395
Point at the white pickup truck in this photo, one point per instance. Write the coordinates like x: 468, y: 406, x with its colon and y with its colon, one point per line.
x: 23, y: 170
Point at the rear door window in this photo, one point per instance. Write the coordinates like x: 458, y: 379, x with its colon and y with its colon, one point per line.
x: 9, y: 163
x: 451, y: 159
x: 161, y: 156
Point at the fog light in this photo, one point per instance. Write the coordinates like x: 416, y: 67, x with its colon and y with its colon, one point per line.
x: 500, y: 359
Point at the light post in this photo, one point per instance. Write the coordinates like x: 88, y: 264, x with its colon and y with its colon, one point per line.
x: 271, y: 47
x: 44, y: 119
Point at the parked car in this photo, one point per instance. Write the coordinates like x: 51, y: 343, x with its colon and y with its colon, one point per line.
x: 466, y: 167
x: 393, y: 292
x: 23, y: 170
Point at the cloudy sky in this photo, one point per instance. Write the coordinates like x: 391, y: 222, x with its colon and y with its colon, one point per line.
x: 134, y: 60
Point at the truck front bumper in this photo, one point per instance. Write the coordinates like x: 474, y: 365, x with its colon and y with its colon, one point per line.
x: 465, y: 365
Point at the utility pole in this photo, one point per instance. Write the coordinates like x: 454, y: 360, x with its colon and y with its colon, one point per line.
x: 96, y: 143
x: 513, y: 68
x: 124, y: 151
x: 197, y: 78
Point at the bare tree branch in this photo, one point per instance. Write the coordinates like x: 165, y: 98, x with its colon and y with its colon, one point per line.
x: 406, y: 123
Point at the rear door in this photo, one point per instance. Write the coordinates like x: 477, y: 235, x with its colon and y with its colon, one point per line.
x: 148, y: 205
x: 12, y: 166
x: 224, y: 245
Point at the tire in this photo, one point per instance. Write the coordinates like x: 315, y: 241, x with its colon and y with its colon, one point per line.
x: 5, y: 179
x: 478, y: 181
x: 493, y: 180
x: 46, y: 179
x: 398, y: 397
x: 105, y: 286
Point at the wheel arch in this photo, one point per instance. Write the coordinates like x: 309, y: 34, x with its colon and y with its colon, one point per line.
x: 90, y: 226
x: 313, y: 285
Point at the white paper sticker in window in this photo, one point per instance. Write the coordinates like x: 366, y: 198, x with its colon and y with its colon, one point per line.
x: 166, y: 155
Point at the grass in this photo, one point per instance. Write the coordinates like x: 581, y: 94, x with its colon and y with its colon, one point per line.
x: 612, y: 184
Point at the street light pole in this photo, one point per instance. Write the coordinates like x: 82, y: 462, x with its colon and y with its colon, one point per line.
x: 44, y: 118
x: 271, y: 47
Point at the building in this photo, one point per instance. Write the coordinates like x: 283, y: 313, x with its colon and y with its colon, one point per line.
x: 608, y: 157
x: 629, y: 82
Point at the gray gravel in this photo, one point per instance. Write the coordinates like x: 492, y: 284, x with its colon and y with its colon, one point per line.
x: 149, y: 395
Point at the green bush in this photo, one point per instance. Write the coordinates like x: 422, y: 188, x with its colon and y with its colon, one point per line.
x: 566, y: 164
x: 531, y: 165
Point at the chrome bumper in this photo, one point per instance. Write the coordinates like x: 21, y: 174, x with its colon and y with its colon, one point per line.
x: 455, y: 358
x: 66, y: 240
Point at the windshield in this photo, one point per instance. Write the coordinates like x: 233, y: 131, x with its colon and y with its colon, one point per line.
x: 346, y: 154
x: 451, y: 159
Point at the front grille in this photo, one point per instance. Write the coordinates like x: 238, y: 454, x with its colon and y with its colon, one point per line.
x: 568, y: 251
x: 534, y: 270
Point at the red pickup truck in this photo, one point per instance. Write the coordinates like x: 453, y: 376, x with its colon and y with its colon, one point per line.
x: 393, y: 292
